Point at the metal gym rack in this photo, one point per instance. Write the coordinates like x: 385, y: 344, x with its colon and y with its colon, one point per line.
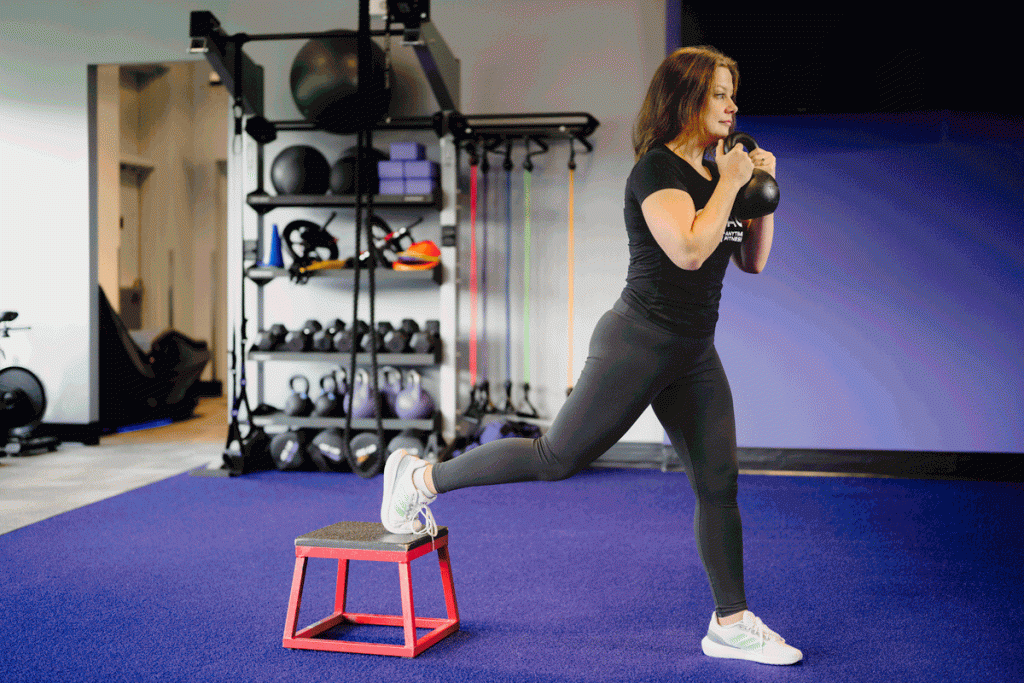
x: 243, y: 79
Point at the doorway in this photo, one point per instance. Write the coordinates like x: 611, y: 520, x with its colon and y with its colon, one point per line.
x: 162, y: 201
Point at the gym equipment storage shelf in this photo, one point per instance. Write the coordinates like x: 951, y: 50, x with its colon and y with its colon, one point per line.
x: 393, y: 359
x: 384, y: 276
x: 265, y: 202
x: 390, y: 424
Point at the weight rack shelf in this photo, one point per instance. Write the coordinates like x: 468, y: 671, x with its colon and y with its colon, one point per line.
x: 266, y: 202
x: 384, y: 276
x: 390, y: 424
x: 343, y: 357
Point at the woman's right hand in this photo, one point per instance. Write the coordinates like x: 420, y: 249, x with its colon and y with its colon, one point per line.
x: 734, y: 166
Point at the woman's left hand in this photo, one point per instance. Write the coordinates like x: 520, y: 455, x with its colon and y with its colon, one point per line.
x: 764, y: 160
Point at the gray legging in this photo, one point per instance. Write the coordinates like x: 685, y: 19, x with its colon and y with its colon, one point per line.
x: 632, y: 364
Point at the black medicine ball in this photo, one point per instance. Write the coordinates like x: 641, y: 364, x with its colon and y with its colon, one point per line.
x: 343, y: 173
x: 300, y: 169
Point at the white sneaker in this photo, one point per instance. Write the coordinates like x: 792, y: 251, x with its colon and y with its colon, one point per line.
x: 748, y: 639
x: 403, y: 502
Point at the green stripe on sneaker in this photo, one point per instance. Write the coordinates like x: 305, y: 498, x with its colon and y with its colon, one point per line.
x: 746, y: 642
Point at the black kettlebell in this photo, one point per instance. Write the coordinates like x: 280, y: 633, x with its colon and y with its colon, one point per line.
x: 760, y: 196
x: 299, y: 404
x: 327, y: 403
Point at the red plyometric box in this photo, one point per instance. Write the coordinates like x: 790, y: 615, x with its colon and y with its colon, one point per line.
x: 346, y: 541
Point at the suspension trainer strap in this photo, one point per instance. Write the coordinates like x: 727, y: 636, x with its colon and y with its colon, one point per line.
x: 527, y: 176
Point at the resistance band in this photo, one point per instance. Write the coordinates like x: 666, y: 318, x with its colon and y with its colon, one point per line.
x: 507, y: 165
x: 485, y: 385
x: 527, y: 409
x: 572, y: 183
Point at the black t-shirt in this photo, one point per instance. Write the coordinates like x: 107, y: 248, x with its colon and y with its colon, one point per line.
x: 682, y: 301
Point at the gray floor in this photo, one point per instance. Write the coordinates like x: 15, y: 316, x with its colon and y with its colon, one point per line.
x: 36, y: 487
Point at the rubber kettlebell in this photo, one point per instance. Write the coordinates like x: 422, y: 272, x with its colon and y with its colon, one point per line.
x: 760, y: 196
x: 391, y: 387
x: 299, y: 404
x: 414, y: 403
x: 363, y: 405
x: 327, y: 403
x: 341, y: 384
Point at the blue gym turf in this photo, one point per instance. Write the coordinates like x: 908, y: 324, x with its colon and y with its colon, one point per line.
x: 595, y: 578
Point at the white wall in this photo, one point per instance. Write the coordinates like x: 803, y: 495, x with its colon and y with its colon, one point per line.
x: 529, y: 55
x: 47, y: 244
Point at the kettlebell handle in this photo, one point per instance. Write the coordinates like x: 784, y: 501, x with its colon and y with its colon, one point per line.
x: 740, y: 138
x: 760, y: 195
x: 329, y: 380
x: 340, y: 386
x: 304, y: 380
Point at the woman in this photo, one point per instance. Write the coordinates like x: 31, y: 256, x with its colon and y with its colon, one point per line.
x: 656, y: 345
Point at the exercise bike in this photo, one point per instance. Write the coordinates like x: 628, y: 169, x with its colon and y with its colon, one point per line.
x: 22, y: 403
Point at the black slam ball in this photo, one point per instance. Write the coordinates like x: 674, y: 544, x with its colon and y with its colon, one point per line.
x: 300, y: 169
x: 326, y: 88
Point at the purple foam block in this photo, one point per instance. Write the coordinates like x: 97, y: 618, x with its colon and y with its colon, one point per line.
x: 421, y: 169
x: 407, y: 151
x: 420, y: 185
x: 390, y: 169
x: 392, y: 186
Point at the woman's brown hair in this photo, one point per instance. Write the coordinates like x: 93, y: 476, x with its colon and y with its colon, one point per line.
x: 677, y: 94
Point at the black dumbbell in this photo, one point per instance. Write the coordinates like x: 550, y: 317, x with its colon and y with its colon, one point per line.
x: 351, y: 337
x: 425, y: 341
x: 397, y: 341
x: 377, y: 338
x: 302, y: 339
x: 269, y: 340
x: 323, y: 340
